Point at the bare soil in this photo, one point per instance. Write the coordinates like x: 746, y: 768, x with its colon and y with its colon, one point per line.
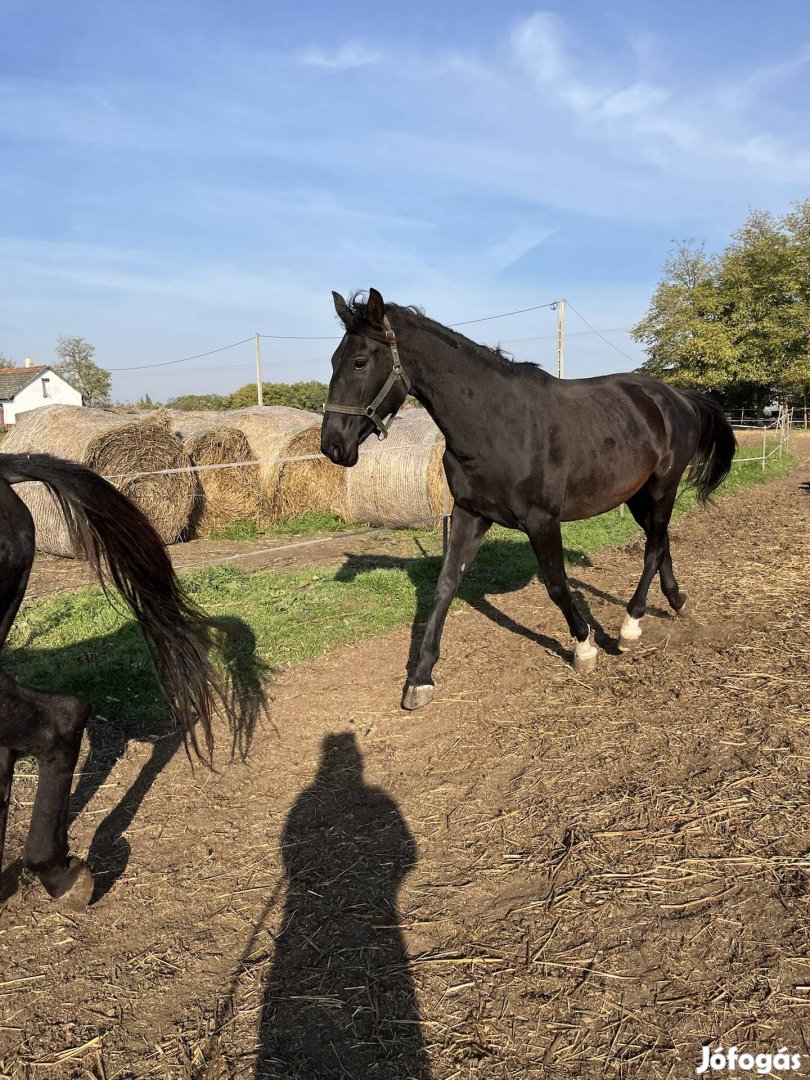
x: 539, y: 875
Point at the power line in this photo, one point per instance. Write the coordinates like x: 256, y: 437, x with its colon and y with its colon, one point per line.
x: 505, y: 314
x: 633, y: 360
x: 198, y: 371
x: 298, y: 337
x: 466, y: 322
x: 197, y: 356
x: 553, y: 337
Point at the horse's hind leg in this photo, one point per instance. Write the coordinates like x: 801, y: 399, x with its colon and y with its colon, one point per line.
x: 466, y: 534
x: 49, y: 726
x: 7, y: 759
x: 652, y: 509
x: 544, y: 533
x: 16, y: 559
x: 669, y: 586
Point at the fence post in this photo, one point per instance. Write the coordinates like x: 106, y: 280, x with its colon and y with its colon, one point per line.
x: 764, y: 443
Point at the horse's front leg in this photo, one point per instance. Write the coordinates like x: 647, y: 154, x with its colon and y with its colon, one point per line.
x: 546, y: 538
x: 467, y: 532
x: 50, y: 727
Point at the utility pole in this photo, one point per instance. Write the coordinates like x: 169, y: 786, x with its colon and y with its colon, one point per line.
x: 259, y: 393
x: 560, y: 339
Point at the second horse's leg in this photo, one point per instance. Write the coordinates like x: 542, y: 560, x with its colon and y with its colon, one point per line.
x: 7, y: 759
x: 49, y: 726
x: 466, y: 534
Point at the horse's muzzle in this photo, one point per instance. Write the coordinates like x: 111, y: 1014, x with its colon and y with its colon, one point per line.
x: 339, y: 453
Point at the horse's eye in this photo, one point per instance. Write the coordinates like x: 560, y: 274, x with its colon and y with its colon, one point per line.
x: 360, y: 363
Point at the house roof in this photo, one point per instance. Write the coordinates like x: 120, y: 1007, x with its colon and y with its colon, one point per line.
x: 13, y: 380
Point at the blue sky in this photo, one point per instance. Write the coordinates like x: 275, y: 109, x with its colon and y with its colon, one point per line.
x: 176, y: 176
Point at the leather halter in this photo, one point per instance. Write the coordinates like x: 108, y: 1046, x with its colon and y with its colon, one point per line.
x: 371, y: 410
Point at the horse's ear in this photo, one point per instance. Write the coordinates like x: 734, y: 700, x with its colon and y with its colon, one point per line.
x: 341, y: 307
x: 375, y: 309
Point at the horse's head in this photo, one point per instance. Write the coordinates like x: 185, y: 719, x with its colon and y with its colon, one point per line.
x: 368, y: 384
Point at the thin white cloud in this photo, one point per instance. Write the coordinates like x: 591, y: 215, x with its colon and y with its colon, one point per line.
x: 352, y: 54
x: 657, y: 123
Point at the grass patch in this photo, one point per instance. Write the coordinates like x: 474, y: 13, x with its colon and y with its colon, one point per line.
x: 303, y: 525
x: 78, y: 643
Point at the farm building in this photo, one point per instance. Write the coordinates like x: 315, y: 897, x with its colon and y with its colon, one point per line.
x: 31, y: 387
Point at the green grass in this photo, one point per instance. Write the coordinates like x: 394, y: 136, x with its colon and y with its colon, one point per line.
x: 302, y: 525
x: 78, y: 643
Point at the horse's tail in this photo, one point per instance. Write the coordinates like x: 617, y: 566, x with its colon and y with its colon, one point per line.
x: 122, y: 547
x: 716, y: 445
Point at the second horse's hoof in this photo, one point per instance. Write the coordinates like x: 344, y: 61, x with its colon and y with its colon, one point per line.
x: 417, y: 696
x: 74, y: 889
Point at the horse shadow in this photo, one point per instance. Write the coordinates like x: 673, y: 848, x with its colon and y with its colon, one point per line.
x: 338, y: 1000
x: 90, y: 668
x: 503, y: 565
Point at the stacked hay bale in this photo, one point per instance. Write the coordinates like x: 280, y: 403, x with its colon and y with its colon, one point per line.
x: 275, y: 433
x: 400, y: 479
x: 224, y: 496
x: 117, y: 447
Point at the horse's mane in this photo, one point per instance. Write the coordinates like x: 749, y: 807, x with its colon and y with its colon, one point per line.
x: 356, y: 322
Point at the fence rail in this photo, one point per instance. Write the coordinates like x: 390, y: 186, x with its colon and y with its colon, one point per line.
x: 781, y: 426
x: 751, y: 419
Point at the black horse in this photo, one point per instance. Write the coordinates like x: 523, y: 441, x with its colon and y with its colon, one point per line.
x: 122, y: 547
x: 525, y: 450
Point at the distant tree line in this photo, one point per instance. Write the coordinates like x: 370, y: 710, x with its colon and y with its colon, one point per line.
x: 738, y: 322
x: 301, y: 395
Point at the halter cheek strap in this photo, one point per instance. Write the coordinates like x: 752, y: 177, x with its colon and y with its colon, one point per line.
x: 371, y: 410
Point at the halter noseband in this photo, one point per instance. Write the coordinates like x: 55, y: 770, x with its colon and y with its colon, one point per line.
x: 371, y: 410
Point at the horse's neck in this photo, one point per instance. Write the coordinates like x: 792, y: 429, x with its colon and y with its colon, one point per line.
x: 455, y: 386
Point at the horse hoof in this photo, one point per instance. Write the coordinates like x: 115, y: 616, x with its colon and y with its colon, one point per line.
x: 584, y: 665
x: 585, y: 656
x: 75, y: 888
x: 630, y: 634
x: 417, y: 696
x: 682, y: 609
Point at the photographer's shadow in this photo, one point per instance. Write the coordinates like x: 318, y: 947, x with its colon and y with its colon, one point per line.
x: 339, y: 1000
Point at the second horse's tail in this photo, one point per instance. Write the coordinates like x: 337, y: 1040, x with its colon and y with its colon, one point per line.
x: 121, y: 546
x: 716, y: 445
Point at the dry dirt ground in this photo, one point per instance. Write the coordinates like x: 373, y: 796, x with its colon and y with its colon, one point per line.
x: 540, y: 875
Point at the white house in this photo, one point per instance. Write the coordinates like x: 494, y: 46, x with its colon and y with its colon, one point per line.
x: 31, y: 387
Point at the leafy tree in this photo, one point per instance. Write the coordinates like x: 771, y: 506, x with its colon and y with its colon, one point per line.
x: 767, y: 313
x: 77, y: 366
x: 738, y: 322
x: 194, y: 402
x: 301, y: 395
x: 687, y: 340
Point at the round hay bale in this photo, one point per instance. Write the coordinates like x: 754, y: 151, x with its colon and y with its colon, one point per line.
x: 290, y: 488
x: 400, y: 479
x: 223, y: 496
x: 116, y: 447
